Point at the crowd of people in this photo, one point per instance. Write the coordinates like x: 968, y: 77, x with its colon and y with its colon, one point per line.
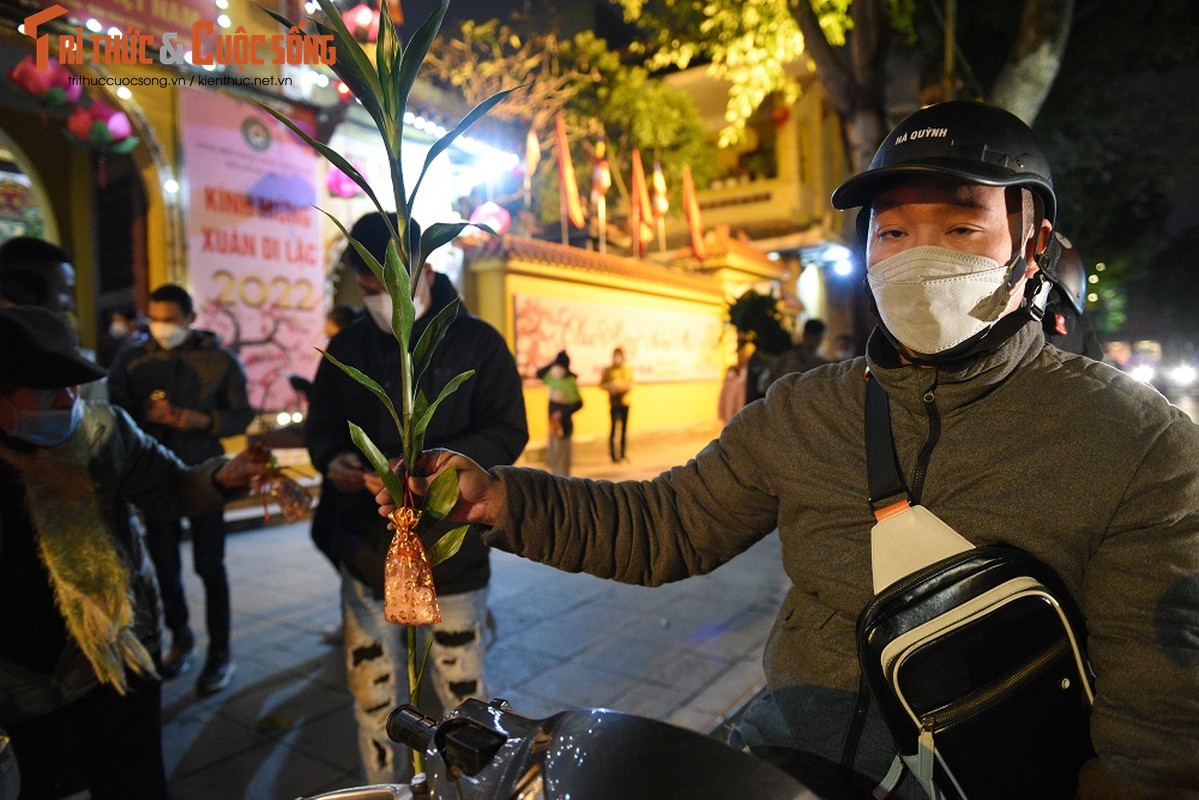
x: 985, y: 378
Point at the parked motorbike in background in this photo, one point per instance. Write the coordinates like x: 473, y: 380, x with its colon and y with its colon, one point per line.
x: 486, y: 751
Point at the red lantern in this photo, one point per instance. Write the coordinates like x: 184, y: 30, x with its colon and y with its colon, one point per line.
x: 493, y: 215
x: 51, y: 87
x: 363, y: 22
x: 340, y: 184
x: 98, y: 126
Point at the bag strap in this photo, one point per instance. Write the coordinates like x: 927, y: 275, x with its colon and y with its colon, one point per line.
x: 882, y: 463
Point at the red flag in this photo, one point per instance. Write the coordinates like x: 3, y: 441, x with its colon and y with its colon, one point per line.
x: 691, y: 210
x: 661, y: 202
x: 640, y: 209
x: 572, y: 206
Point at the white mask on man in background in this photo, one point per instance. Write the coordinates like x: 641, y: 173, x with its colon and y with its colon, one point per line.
x: 168, y: 334
x: 379, y: 306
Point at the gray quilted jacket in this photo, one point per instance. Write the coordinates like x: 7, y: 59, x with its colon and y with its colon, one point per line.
x: 1067, y: 458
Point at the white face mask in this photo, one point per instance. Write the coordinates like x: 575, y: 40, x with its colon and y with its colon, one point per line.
x: 168, y: 334
x: 48, y: 427
x: 421, y: 305
x: 933, y: 298
x: 379, y: 307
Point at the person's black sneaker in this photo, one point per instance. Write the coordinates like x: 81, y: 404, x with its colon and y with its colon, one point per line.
x: 216, y: 675
x: 178, y: 661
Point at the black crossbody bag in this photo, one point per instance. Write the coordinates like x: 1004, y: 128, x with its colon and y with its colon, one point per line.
x: 976, y: 661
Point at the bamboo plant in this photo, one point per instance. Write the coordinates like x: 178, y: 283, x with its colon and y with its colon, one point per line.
x: 383, y: 87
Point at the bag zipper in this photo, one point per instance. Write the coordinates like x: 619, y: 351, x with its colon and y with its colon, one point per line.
x: 980, y: 700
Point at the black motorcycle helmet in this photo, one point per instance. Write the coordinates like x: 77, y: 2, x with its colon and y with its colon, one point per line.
x: 1068, y: 272
x: 964, y: 139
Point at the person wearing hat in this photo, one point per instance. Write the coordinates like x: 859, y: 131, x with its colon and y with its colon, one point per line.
x: 484, y: 417
x: 81, y: 619
x: 956, y: 211
x: 34, y: 272
x: 564, y: 401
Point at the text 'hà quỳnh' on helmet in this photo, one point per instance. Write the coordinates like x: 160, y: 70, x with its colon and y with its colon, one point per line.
x: 961, y: 139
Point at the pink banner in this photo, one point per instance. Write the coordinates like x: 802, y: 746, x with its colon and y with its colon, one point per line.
x: 254, y: 246
x: 660, y: 346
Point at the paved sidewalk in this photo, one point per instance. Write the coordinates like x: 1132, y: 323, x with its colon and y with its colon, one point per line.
x: 688, y: 653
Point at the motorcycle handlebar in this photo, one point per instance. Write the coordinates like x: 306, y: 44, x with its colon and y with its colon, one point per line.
x: 407, y: 725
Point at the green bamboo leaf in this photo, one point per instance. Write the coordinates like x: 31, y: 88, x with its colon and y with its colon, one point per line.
x: 282, y: 20
x: 367, y: 382
x: 387, y: 53
x: 379, y: 461
x: 412, y: 239
x: 329, y: 153
x: 421, y: 405
x: 397, y: 178
x: 446, y: 546
x: 361, y: 70
x: 414, y: 54
x: 422, y: 422
x: 367, y: 256
x: 349, y: 70
x: 414, y: 695
x: 395, y: 278
x: 430, y: 337
x: 442, y: 233
x: 445, y: 141
x: 443, y: 494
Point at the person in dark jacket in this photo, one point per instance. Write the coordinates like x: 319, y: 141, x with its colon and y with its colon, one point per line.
x: 81, y: 623
x: 800, y: 358
x: 484, y: 417
x: 188, y: 392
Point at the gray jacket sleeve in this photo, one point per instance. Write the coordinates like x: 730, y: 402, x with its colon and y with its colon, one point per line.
x: 1141, y: 601
x: 687, y: 521
x: 156, y: 481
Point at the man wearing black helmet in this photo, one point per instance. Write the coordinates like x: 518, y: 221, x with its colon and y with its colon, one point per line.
x: 957, y: 210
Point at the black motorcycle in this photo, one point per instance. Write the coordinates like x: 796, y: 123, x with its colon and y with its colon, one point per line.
x: 485, y: 751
